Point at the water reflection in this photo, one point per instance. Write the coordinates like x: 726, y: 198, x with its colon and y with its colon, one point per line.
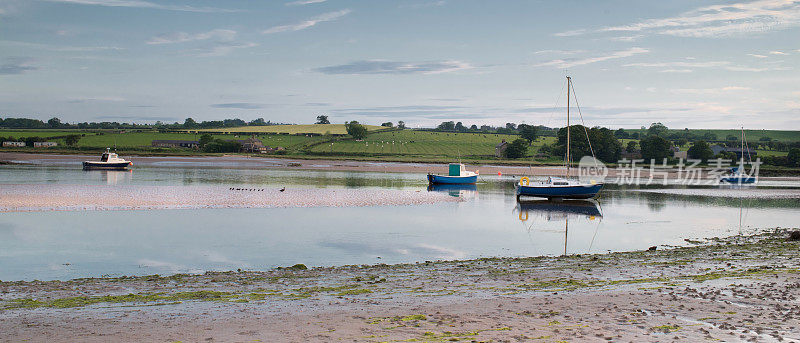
x: 556, y: 211
x: 455, y: 190
x: 112, y: 177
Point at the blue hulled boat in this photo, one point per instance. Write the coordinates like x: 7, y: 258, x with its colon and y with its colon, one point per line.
x: 737, y: 177
x: 457, y: 175
x: 557, y: 187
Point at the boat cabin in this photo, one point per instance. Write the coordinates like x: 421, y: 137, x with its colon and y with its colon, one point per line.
x: 108, y: 156
x: 457, y: 169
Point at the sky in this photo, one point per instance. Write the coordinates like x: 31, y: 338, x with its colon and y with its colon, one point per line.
x: 695, y: 64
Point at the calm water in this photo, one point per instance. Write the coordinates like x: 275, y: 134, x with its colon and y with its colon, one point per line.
x: 64, y: 245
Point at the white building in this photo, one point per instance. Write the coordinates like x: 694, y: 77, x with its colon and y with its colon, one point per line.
x: 44, y: 144
x: 13, y: 144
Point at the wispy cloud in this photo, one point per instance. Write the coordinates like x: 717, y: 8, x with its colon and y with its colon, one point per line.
x: 710, y: 91
x: 80, y: 100
x: 777, y: 53
x: 143, y: 4
x: 570, y: 33
x: 304, y: 2
x: 393, y: 67
x: 181, y: 37
x: 17, y: 65
x: 311, y: 22
x: 722, y: 20
x: 61, y: 48
x: 757, y: 55
x: 568, y: 63
x: 726, y: 65
x: 223, y: 48
x: 240, y: 105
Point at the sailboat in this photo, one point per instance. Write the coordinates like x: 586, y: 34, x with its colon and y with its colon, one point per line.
x: 737, y: 175
x: 558, y: 187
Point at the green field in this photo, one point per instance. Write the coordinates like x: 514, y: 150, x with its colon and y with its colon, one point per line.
x: 751, y: 135
x: 424, y: 143
x: 139, y: 140
x: 317, y: 129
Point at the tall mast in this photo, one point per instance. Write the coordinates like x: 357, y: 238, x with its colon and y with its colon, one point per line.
x: 569, y: 83
x: 743, y: 145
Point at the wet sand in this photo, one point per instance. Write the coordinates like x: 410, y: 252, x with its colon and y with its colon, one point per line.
x: 46, y: 197
x: 237, y: 161
x: 742, y: 288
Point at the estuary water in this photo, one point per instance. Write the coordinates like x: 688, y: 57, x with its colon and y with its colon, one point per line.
x: 488, y: 222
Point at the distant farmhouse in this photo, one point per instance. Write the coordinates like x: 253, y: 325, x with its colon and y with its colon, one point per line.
x: 175, y: 144
x: 500, y: 148
x: 13, y: 144
x: 253, y: 145
x: 44, y: 144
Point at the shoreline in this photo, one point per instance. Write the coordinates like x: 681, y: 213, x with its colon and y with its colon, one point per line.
x: 259, y: 162
x: 736, y: 288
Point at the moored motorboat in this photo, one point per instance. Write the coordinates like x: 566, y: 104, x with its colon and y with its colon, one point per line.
x: 109, y: 161
x: 458, y: 175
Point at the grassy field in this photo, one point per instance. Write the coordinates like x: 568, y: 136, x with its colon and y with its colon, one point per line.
x: 423, y: 143
x: 139, y: 140
x: 318, y: 129
x: 751, y: 135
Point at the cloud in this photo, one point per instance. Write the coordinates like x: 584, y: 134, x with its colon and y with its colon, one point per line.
x: 62, y: 48
x: 393, y: 67
x: 330, y: 16
x: 240, y: 105
x: 709, y: 91
x: 95, y: 98
x: 726, y: 65
x: 17, y: 65
x: 722, y: 20
x: 570, y: 33
x: 181, y: 37
x: 676, y: 71
x: 304, y: 2
x: 777, y: 53
x: 559, y: 52
x: 223, y: 48
x: 626, y: 38
x: 144, y: 4
x: 568, y: 63
x: 757, y: 55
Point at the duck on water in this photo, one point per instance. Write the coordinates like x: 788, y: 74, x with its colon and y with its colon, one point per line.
x: 109, y: 161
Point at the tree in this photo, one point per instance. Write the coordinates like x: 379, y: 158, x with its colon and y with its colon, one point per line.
x: 401, y: 124
x: 387, y: 124
x: 258, y: 122
x: 189, y: 123
x: 460, y: 127
x: 71, y: 140
x: 682, y: 141
x: 473, y: 127
x: 54, y: 123
x: 518, y: 148
x: 356, y: 130
x: 528, y: 132
x: 323, y: 119
x: 447, y: 126
x: 657, y: 129
x: 511, y: 126
x: 655, y: 148
x: 606, y: 147
x: 205, y: 139
x: 793, y: 157
x: 631, y: 146
x: 621, y: 134
x: 700, y: 150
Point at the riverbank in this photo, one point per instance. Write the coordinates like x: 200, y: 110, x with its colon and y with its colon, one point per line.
x: 262, y: 162
x: 733, y: 289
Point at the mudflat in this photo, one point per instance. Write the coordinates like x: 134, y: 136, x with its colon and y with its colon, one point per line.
x: 741, y: 288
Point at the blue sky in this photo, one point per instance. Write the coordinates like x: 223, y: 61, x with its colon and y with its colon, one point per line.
x: 698, y: 64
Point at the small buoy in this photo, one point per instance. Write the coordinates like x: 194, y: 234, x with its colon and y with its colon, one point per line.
x: 499, y: 173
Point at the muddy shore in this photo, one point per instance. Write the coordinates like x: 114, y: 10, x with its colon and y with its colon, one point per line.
x: 742, y: 288
x: 246, y: 162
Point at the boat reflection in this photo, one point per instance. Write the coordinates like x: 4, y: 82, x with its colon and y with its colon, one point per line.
x: 454, y: 190
x: 552, y: 211
x: 113, y: 177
